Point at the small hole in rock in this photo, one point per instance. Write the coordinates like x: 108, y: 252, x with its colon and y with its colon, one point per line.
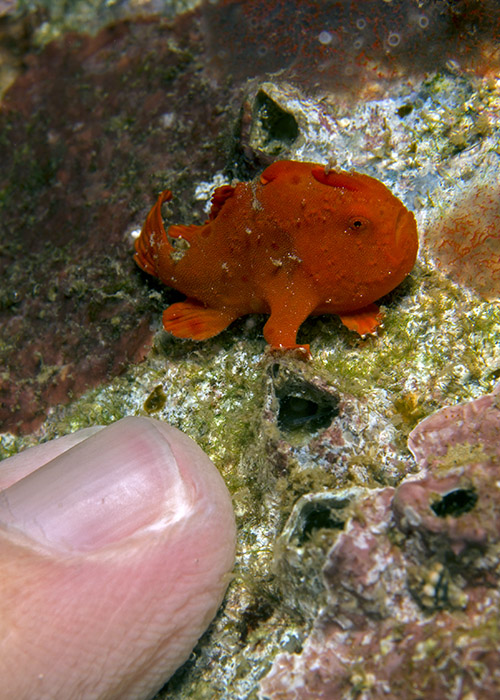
x: 297, y: 412
x: 404, y: 110
x: 257, y: 612
x: 276, y: 123
x: 318, y: 518
x: 455, y: 503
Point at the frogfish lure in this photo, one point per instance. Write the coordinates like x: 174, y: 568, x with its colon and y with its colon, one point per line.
x: 296, y: 241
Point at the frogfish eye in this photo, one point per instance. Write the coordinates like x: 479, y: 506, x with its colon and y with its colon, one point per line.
x: 357, y: 224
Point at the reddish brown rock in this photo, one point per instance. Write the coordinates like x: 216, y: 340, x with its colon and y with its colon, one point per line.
x: 348, y: 45
x: 90, y: 134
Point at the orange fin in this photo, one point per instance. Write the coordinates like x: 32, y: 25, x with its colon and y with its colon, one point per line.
x: 276, y: 169
x: 183, y: 231
x: 219, y: 197
x: 364, y: 321
x: 190, y: 319
x: 153, y: 228
x: 346, y: 181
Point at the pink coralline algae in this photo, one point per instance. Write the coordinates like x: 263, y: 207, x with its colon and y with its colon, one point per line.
x: 476, y: 423
x: 456, y: 499
x: 465, y: 243
x: 412, y: 582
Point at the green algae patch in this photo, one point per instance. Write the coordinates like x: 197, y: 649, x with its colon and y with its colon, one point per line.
x: 431, y: 349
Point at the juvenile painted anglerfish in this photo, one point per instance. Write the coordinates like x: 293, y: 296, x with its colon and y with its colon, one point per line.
x: 299, y: 240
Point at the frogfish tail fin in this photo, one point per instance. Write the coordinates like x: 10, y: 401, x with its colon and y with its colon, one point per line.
x: 153, y: 236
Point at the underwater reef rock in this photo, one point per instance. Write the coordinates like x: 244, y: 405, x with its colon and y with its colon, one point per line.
x: 346, y: 45
x: 90, y: 133
x: 268, y: 129
x: 426, y: 658
x: 412, y: 595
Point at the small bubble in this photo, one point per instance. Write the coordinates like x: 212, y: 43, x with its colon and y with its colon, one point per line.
x: 423, y: 22
x: 358, y: 43
x: 325, y: 38
x: 393, y: 39
x: 360, y: 23
x: 262, y: 50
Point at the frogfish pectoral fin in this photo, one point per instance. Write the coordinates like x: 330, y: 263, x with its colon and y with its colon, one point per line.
x: 364, y: 321
x: 282, y: 337
x: 282, y: 326
x: 190, y: 319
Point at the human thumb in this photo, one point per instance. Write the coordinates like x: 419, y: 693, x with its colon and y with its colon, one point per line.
x: 115, y: 556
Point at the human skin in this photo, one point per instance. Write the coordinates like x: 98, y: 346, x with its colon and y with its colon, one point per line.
x: 116, y: 547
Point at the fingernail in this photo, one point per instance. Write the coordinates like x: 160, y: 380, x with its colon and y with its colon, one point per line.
x: 17, y: 467
x: 105, y: 489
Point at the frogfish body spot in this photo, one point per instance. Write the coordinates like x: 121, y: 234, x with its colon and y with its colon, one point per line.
x: 342, y: 241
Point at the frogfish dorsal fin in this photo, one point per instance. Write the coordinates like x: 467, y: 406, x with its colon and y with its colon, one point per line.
x: 276, y: 170
x: 219, y: 197
x: 338, y: 179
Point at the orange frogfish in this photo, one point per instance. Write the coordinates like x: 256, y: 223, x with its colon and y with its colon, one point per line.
x: 296, y: 241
